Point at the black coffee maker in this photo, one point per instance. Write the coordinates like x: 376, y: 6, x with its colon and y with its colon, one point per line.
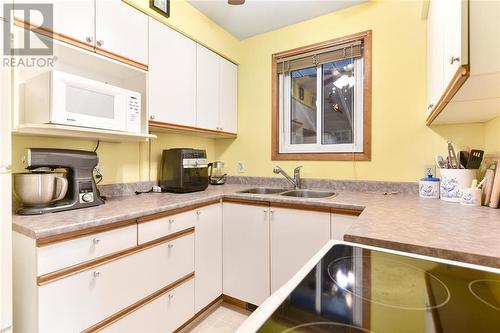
x: 184, y: 170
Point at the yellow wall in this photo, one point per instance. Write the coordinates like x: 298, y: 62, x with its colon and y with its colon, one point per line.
x: 401, y: 143
x: 131, y: 162
x: 492, y: 136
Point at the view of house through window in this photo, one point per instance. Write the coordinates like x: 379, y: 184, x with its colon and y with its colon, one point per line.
x: 320, y: 100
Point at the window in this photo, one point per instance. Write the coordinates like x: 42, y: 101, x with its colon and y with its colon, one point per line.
x: 322, y: 101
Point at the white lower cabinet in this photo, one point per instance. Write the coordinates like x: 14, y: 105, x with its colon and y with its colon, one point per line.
x: 208, y: 255
x: 340, y: 224
x: 246, y: 252
x: 79, y: 301
x: 296, y: 235
x: 164, y: 314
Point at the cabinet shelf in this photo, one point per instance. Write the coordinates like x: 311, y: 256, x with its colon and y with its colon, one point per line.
x: 165, y: 127
x: 53, y: 130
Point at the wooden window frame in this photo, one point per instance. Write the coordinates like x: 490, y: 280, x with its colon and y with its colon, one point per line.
x: 366, y: 38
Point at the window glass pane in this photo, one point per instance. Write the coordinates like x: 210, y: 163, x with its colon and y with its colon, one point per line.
x: 338, y: 102
x: 303, y: 106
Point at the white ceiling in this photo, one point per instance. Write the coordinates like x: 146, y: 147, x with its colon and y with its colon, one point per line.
x: 259, y: 16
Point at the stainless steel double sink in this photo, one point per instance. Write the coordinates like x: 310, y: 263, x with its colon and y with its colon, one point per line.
x: 290, y: 193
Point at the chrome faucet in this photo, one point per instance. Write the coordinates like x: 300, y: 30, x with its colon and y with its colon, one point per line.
x: 296, y: 176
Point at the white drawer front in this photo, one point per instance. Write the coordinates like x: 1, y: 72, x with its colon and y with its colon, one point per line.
x: 79, y: 301
x: 154, y: 229
x: 164, y: 314
x: 67, y: 253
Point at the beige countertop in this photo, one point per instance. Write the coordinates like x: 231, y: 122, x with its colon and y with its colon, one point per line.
x: 401, y: 222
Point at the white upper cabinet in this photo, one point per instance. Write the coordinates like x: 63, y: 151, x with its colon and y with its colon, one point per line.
x: 122, y: 30
x: 207, y: 89
x: 71, y: 19
x: 228, y: 81
x: 172, y: 76
x: 296, y: 235
x: 463, y: 59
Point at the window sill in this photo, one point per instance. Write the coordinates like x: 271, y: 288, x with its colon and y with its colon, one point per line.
x: 364, y: 156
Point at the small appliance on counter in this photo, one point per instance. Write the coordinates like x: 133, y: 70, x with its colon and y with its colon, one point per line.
x: 184, y: 170
x: 216, y: 173
x: 41, y: 190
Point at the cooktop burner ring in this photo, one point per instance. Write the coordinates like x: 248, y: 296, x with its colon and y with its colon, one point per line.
x: 327, y: 323
x: 479, y: 298
x: 426, y: 273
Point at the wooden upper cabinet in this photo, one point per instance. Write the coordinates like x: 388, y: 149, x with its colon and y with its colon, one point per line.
x: 207, y: 89
x: 172, y: 76
x: 228, y: 80
x: 121, y: 30
x: 73, y: 21
x: 463, y: 59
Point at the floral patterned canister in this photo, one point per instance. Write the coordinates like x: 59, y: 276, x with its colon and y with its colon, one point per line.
x: 453, y: 181
x: 429, y: 187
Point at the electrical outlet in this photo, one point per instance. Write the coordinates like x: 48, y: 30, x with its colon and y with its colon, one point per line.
x: 429, y: 170
x: 242, y: 167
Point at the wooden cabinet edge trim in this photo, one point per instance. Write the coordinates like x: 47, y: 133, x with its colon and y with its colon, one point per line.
x: 45, y: 241
x: 121, y: 58
x: 137, y: 305
x: 461, y: 75
x: 246, y: 201
x: 346, y: 211
x: 72, y: 270
x: 162, y: 125
x: 49, y: 33
x: 299, y: 206
x: 237, y: 302
x: 198, y: 314
x: 175, y: 211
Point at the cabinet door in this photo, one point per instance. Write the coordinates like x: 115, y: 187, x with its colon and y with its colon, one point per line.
x: 207, y: 88
x: 73, y: 19
x: 246, y: 252
x: 340, y: 224
x: 455, y: 27
x: 164, y: 314
x: 435, y: 53
x: 228, y: 96
x: 121, y: 30
x: 296, y: 235
x: 208, y: 255
x: 172, y: 76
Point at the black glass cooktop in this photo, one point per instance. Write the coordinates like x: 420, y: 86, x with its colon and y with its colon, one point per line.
x: 358, y: 290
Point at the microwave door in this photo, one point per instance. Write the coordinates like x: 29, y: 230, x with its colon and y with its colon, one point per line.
x: 82, y: 104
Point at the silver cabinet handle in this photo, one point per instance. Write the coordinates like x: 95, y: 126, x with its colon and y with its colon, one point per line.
x: 100, y: 42
x: 170, y: 296
x: 453, y: 59
x: 152, y: 117
x: 170, y: 246
x: 198, y: 212
x: 430, y: 106
x: 89, y: 39
x: 96, y: 240
x: 97, y: 274
x: 271, y: 212
x: 171, y: 220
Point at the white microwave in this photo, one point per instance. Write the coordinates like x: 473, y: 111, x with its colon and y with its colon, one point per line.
x: 57, y: 97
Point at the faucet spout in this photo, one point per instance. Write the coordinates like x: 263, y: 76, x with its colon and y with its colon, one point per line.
x: 295, y: 181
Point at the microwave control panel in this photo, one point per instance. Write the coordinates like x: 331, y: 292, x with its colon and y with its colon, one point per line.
x: 134, y: 113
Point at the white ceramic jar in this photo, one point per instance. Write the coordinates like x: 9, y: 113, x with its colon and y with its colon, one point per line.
x: 429, y: 187
x: 471, y: 197
x: 453, y: 181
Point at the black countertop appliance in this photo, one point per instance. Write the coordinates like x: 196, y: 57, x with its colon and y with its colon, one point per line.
x: 184, y: 170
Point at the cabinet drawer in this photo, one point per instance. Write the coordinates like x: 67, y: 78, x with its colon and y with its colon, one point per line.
x: 60, y: 255
x: 79, y: 301
x: 163, y: 314
x: 164, y: 226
